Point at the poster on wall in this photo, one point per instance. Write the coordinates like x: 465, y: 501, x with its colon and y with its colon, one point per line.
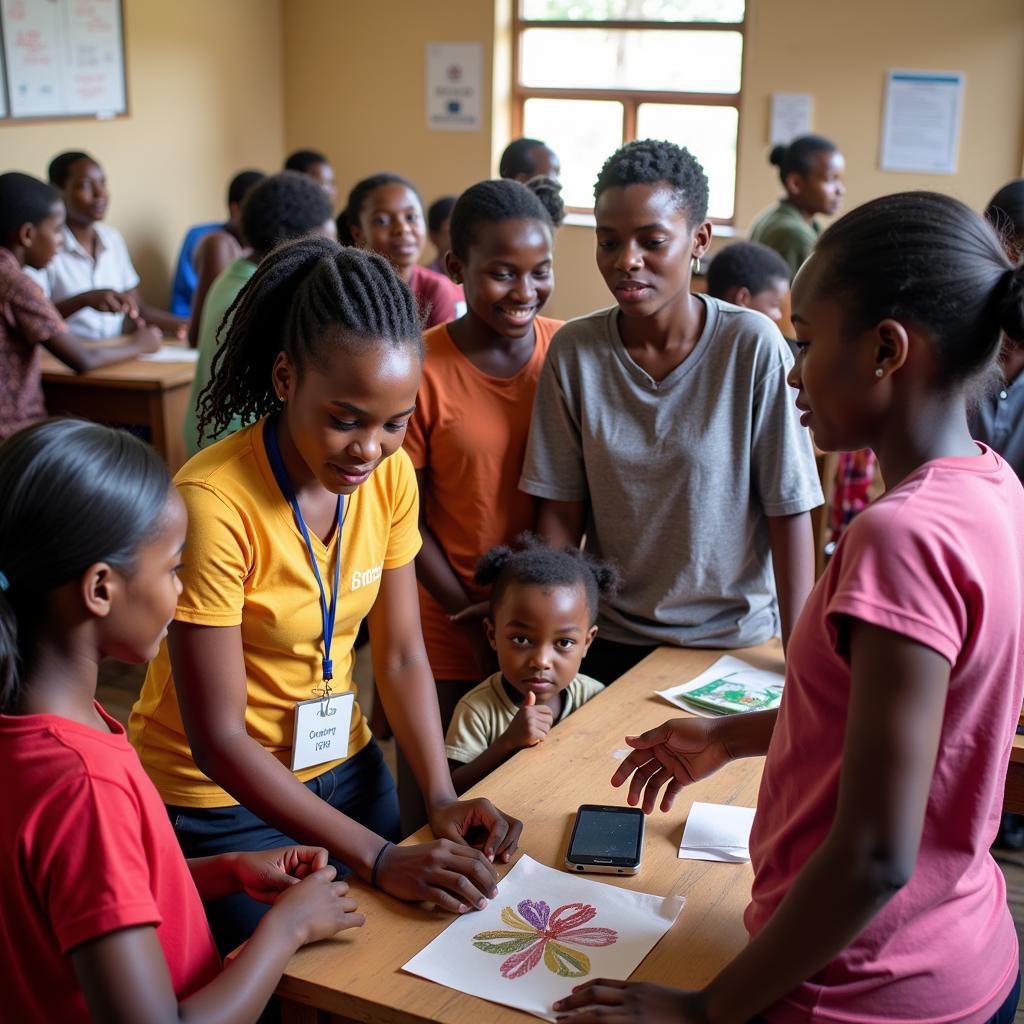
x: 791, y: 116
x: 921, y: 127
x: 454, y: 75
x: 3, y: 87
x: 63, y: 58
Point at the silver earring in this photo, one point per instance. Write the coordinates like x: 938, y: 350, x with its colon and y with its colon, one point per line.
x: 879, y: 372
x: 695, y: 265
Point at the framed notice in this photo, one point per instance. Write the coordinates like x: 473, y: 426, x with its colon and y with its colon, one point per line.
x: 454, y: 76
x: 921, y: 127
x: 63, y: 58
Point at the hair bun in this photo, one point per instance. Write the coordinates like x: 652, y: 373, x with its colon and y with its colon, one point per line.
x: 491, y: 564
x: 549, y: 192
x: 777, y: 155
x: 1011, y: 303
x: 608, y: 578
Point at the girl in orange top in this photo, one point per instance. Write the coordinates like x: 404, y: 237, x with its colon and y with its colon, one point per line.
x: 468, y: 436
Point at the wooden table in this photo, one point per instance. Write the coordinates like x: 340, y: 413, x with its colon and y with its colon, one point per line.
x: 1013, y: 798
x: 134, y: 392
x: 358, y: 976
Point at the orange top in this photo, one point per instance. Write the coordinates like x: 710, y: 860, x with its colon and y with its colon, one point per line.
x: 469, y: 434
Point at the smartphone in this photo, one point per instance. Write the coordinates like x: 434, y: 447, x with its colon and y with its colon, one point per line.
x: 606, y: 840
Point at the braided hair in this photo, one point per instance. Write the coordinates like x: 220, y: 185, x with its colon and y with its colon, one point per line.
x: 648, y: 161
x: 306, y: 294
x: 489, y: 202
x: 531, y: 561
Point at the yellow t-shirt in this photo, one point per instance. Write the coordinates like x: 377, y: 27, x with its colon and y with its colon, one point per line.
x: 246, y: 563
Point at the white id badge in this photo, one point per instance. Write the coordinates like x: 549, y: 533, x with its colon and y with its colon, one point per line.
x: 321, y: 730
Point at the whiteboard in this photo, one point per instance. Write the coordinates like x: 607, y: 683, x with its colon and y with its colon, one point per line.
x: 63, y: 58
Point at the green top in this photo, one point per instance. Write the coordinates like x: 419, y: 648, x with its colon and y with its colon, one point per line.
x: 783, y: 228
x: 221, y: 294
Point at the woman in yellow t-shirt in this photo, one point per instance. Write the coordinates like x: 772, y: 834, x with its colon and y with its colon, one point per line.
x: 301, y: 525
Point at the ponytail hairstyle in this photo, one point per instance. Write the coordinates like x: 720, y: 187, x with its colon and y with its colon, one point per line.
x: 799, y: 155
x: 490, y: 202
x: 531, y: 561
x: 75, y: 493
x: 647, y: 162
x: 929, y: 260
x: 1005, y: 212
x: 306, y: 295
x: 362, y: 191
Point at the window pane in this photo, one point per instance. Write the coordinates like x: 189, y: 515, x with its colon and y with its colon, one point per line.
x: 707, y: 132
x: 584, y: 133
x: 633, y: 10
x: 666, y: 61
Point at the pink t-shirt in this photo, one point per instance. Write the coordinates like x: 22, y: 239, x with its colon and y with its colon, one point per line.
x: 436, y: 296
x: 939, y: 559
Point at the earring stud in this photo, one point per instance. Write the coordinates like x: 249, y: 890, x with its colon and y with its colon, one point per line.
x: 879, y: 372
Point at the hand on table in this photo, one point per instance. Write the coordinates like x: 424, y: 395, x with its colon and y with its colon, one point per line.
x: 265, y: 874
x: 606, y: 1001
x: 675, y: 754
x: 147, y: 338
x: 477, y: 823
x: 451, y: 875
x: 530, y: 726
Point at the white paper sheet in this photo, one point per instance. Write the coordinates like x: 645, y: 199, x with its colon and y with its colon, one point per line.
x: 717, y: 832
x: 172, y: 354
x: 921, y: 127
x: 723, y: 667
x: 791, y: 116
x: 500, y: 953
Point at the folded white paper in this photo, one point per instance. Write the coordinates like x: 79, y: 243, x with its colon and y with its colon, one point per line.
x: 717, y: 832
x: 543, y: 934
x: 172, y: 354
x: 732, y: 682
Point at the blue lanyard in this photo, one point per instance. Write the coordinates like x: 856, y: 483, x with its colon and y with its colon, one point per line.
x: 284, y: 482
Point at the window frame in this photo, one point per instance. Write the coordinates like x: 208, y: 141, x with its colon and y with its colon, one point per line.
x: 631, y: 99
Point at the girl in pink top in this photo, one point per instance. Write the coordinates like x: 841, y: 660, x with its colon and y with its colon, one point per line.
x: 875, y: 899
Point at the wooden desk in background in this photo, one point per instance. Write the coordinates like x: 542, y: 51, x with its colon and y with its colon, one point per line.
x: 126, y: 394
x: 1013, y: 799
x: 358, y: 976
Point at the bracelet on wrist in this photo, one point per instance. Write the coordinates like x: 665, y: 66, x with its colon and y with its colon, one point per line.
x: 377, y: 862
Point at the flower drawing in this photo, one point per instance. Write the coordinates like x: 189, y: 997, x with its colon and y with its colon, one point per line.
x: 540, y: 933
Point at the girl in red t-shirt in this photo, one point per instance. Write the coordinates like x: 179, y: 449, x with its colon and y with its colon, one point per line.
x: 101, y: 917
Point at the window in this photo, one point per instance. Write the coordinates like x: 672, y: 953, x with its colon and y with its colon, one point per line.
x: 589, y: 75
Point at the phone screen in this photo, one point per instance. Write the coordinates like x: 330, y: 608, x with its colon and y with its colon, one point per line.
x: 607, y: 833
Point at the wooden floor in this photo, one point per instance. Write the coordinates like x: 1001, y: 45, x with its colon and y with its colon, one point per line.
x: 119, y: 686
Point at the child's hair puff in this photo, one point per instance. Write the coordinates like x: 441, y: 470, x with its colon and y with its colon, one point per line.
x: 75, y: 493
x: 529, y: 560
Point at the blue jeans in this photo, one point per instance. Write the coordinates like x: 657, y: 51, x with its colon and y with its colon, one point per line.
x: 361, y: 788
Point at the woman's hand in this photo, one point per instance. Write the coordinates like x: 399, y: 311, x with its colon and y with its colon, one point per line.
x: 480, y: 824
x: 606, y: 1001
x: 675, y: 754
x: 265, y: 874
x: 450, y: 875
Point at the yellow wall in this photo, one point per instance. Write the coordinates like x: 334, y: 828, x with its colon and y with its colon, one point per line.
x: 354, y: 86
x: 205, y: 89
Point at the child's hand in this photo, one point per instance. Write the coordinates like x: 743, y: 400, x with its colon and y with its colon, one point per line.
x: 316, y: 908
x: 106, y: 300
x: 531, y: 725
x: 148, y: 339
x: 265, y: 874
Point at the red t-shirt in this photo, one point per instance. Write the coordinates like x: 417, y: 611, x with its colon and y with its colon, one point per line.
x: 938, y: 559
x: 435, y: 295
x: 86, y: 848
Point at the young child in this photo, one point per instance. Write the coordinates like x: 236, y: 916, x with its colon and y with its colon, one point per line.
x: 438, y: 218
x: 468, y: 436
x: 541, y: 621
x: 213, y: 251
x: 384, y: 214
x: 280, y: 208
x: 302, y: 525
x: 523, y: 159
x: 100, y: 915
x: 92, y: 281
x: 875, y: 897
x: 751, y: 275
x: 31, y: 219
x: 663, y: 431
x: 316, y: 166
x: 811, y: 170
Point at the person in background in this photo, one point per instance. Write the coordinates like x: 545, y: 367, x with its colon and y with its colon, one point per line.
x: 384, y: 214
x: 316, y: 166
x: 31, y: 222
x: 92, y: 281
x: 751, y: 275
x: 214, y: 250
x: 524, y: 159
x: 186, y: 271
x: 811, y: 170
x: 438, y: 218
x: 280, y: 208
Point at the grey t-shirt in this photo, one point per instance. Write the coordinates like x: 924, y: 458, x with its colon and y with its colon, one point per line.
x: 679, y: 474
x: 998, y: 421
